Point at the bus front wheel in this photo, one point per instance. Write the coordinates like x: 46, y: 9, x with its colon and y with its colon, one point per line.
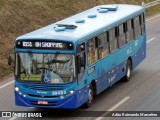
x: 128, y: 71
x: 90, y: 97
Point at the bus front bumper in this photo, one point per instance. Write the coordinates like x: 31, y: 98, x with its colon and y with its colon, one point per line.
x: 69, y: 102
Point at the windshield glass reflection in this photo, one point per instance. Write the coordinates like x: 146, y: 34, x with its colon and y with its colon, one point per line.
x: 46, y: 68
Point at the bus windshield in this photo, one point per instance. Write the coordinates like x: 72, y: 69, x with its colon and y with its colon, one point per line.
x: 45, y: 68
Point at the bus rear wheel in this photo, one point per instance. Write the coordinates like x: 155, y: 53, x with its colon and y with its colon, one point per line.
x: 90, y: 97
x: 128, y: 71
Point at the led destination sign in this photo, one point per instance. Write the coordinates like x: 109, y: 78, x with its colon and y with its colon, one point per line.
x: 45, y: 45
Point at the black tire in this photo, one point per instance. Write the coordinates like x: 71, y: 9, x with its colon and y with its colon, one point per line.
x: 127, y: 76
x: 90, y: 97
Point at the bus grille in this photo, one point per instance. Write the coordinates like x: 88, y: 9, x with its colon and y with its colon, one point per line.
x: 45, y: 87
x: 39, y: 96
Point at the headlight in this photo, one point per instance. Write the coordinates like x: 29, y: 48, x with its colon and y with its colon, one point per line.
x: 16, y: 89
x: 67, y: 95
x: 24, y: 95
x: 62, y: 97
x: 72, y: 91
x: 20, y: 92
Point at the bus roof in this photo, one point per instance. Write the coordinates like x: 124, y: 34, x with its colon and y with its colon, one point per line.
x: 91, y: 21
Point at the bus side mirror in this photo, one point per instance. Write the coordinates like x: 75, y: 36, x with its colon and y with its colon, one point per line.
x: 9, y: 60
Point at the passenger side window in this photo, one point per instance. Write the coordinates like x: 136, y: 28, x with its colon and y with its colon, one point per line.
x: 92, y: 51
x: 142, y: 23
x: 103, y: 48
x: 81, y: 48
x: 113, y: 39
x: 129, y: 30
x: 122, y: 35
x: 81, y: 63
x: 137, y: 27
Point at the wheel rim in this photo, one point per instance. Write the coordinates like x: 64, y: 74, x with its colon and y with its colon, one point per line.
x: 90, y: 96
x: 129, y: 71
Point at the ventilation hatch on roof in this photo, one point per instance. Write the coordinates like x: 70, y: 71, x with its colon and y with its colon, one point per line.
x: 109, y: 7
x: 80, y: 21
x: 63, y: 27
x: 92, y: 16
x: 101, y: 10
x: 58, y: 29
x: 67, y: 26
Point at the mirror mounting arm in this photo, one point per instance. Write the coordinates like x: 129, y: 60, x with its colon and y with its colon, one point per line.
x: 9, y: 57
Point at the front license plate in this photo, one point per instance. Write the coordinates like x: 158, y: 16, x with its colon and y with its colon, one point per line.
x: 42, y: 102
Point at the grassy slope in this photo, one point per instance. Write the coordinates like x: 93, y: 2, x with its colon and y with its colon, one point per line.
x: 18, y: 17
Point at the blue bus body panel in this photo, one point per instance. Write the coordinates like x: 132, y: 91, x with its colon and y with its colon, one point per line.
x: 113, y: 67
x: 106, y: 71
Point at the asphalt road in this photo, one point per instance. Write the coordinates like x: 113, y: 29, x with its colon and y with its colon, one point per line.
x: 141, y: 93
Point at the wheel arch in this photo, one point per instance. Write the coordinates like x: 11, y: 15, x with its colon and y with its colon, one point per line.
x: 93, y: 83
x: 130, y: 58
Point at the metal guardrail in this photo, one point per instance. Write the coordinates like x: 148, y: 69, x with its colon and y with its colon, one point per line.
x: 151, y: 4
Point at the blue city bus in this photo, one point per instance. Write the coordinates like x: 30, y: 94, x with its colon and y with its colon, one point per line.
x: 65, y: 64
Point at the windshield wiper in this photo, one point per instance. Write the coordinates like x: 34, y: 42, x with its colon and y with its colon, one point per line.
x: 58, y: 61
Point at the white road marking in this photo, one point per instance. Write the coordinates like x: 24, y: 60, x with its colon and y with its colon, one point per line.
x: 153, y: 17
x: 119, y: 103
x: 6, y: 84
x: 148, y: 41
x: 114, y: 107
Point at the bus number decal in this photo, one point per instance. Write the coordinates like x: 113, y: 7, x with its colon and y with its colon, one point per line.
x: 61, y: 92
x: 129, y: 51
x: 136, y: 43
x: 112, y: 78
